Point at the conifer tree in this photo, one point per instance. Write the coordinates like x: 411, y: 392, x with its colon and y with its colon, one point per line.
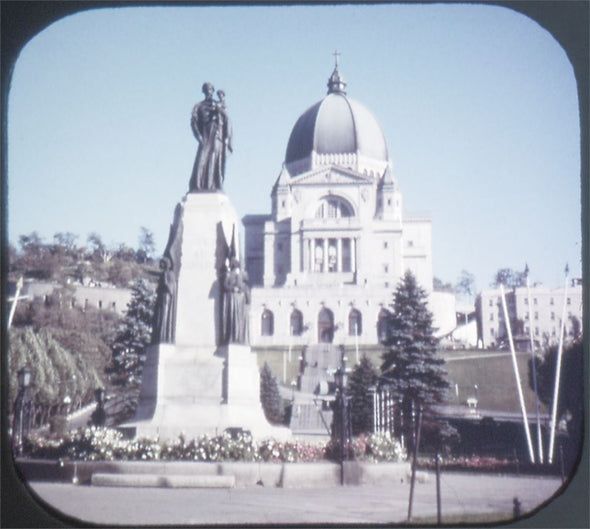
x: 361, y: 379
x: 411, y: 363
x: 134, y: 333
x: 270, y: 398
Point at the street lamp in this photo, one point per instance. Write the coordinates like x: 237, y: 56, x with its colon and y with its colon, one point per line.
x: 22, y: 410
x: 341, y: 424
x: 99, y: 415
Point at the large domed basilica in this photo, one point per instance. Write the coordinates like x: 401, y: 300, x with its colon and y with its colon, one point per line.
x: 324, y: 264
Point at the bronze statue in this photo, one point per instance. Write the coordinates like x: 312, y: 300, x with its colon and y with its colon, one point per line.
x: 164, y: 322
x: 164, y: 315
x: 236, y: 304
x: 212, y: 128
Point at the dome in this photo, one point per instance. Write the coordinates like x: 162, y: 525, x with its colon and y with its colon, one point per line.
x: 336, y: 125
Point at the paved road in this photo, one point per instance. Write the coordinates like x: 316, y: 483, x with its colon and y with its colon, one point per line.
x: 461, y: 494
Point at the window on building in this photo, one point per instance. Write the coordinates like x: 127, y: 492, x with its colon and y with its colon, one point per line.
x: 268, y: 324
x: 534, y: 301
x: 553, y: 333
x: 526, y: 315
x: 526, y: 301
x: 382, y: 325
x: 385, y: 269
x: 114, y: 305
x: 355, y: 323
x: 73, y: 302
x: 385, y: 244
x: 551, y: 301
x: 296, y: 323
x: 491, y: 316
x: 319, y: 255
x: 346, y: 256
x: 100, y: 304
x: 332, y: 207
x: 553, y: 315
x: 332, y: 255
x: 491, y: 303
x: 536, y: 315
x: 536, y: 331
x: 569, y: 301
x: 492, y: 332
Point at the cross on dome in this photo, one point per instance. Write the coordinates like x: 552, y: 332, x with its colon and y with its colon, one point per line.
x: 336, y: 83
x: 336, y: 55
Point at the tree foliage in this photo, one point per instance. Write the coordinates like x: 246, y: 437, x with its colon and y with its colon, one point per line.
x: 361, y: 379
x: 63, y: 363
x: 571, y: 387
x: 270, y: 398
x: 411, y: 363
x: 440, y: 286
x: 63, y: 258
x: 134, y: 334
x: 510, y: 278
x: 465, y: 284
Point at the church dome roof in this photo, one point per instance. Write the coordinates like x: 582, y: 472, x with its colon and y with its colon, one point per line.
x: 336, y: 125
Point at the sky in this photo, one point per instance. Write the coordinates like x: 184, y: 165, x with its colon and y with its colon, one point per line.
x: 478, y: 105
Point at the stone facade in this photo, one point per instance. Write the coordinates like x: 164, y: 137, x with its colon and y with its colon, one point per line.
x: 325, y: 262
x: 544, y: 315
x: 97, y: 297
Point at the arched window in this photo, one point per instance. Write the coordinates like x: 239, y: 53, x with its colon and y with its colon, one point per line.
x: 325, y: 326
x: 333, y: 208
x: 382, y: 325
x: 296, y: 323
x: 268, y: 323
x: 355, y: 323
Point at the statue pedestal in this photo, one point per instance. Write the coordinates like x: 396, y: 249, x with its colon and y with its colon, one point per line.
x: 191, y: 391
x: 194, y: 387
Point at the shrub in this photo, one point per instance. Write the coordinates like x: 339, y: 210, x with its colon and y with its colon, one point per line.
x: 105, y: 444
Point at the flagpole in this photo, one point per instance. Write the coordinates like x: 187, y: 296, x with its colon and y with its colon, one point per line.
x: 558, y: 370
x: 517, y: 375
x: 19, y: 286
x: 534, y: 369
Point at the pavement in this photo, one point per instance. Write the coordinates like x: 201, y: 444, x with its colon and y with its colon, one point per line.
x: 462, y: 495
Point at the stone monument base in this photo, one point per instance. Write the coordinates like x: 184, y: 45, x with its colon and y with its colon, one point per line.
x: 192, y: 391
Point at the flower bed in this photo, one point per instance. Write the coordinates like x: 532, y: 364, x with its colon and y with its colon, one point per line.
x: 106, y: 444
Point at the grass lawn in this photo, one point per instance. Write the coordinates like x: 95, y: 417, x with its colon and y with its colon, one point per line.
x: 494, y: 376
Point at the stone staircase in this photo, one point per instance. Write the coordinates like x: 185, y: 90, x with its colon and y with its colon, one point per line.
x: 310, y: 416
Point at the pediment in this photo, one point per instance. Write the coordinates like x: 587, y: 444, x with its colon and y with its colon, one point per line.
x: 331, y: 176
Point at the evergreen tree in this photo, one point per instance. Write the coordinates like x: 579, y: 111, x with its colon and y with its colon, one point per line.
x: 134, y: 334
x: 571, y: 391
x: 361, y: 401
x: 270, y: 398
x: 411, y: 363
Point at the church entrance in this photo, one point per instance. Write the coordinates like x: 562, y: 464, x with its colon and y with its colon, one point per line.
x: 325, y: 326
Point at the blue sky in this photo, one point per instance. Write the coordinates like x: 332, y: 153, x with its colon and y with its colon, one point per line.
x: 478, y: 105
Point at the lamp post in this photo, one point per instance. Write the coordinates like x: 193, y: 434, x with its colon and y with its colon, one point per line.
x: 340, y: 424
x: 99, y: 415
x: 22, y: 410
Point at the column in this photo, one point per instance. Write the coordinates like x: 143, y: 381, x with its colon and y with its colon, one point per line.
x: 325, y: 261
x: 354, y: 254
x: 339, y: 255
x: 312, y: 254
